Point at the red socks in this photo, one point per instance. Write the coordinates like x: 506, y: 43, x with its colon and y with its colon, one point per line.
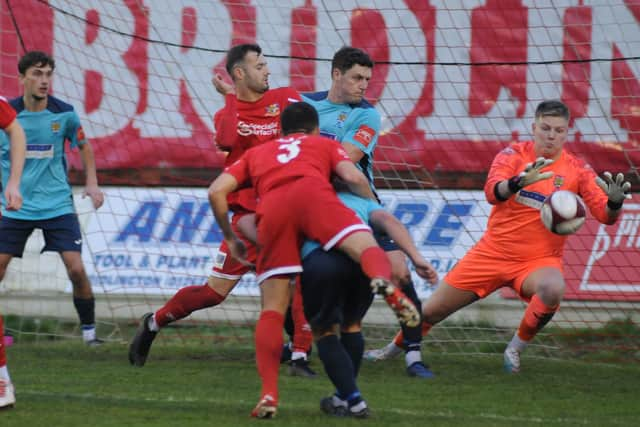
x: 268, y: 349
x: 302, y: 336
x: 374, y: 263
x: 398, y: 340
x: 186, y: 301
x: 535, y: 317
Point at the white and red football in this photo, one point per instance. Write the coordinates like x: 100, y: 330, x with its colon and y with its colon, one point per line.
x: 563, y: 212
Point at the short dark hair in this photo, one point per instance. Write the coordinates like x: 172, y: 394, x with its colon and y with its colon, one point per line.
x: 553, y: 108
x: 347, y: 56
x: 35, y: 58
x: 299, y: 117
x: 237, y: 53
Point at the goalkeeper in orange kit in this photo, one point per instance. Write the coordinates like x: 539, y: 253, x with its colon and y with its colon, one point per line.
x: 517, y: 250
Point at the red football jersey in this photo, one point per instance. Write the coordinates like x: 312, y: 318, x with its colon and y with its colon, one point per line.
x: 286, y: 159
x: 7, y: 113
x: 241, y: 125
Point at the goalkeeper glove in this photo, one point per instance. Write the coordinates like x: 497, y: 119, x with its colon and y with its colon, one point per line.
x: 530, y: 174
x: 616, y: 191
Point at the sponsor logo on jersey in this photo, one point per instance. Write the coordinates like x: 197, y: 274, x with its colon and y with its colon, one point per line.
x: 266, y: 129
x: 55, y: 126
x: 272, y: 110
x: 329, y: 135
x: 39, y: 151
x: 530, y: 198
x: 364, y: 135
x: 558, y: 180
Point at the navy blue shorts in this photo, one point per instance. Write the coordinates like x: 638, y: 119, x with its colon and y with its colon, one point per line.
x: 61, y: 234
x: 334, y: 289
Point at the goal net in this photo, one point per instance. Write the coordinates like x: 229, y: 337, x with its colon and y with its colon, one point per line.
x: 454, y: 81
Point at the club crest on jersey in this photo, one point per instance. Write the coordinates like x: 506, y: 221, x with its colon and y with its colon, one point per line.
x: 558, y: 180
x: 342, y: 117
x: 55, y: 126
x: 364, y: 135
x: 272, y: 110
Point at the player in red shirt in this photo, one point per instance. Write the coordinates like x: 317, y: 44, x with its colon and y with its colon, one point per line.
x: 517, y: 250
x: 13, y: 201
x: 291, y: 177
x: 250, y: 117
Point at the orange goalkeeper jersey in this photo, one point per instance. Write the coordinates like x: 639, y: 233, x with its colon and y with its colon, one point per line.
x: 514, y: 229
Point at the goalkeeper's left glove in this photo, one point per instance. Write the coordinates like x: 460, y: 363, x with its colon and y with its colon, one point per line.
x: 617, y: 190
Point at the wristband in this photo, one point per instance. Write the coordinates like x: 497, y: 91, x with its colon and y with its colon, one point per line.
x: 515, y: 184
x: 614, y: 206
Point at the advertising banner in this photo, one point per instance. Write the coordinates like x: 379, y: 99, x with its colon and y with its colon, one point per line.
x: 154, y: 241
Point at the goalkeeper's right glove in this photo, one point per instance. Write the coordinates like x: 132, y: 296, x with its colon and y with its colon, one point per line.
x: 617, y: 191
x: 530, y: 174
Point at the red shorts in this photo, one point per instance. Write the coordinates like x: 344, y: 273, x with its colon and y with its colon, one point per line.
x: 288, y: 215
x: 483, y: 270
x: 225, y: 265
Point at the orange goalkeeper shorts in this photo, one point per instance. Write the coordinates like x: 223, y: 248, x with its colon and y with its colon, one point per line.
x: 483, y: 270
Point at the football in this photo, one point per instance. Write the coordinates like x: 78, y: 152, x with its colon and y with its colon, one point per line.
x: 563, y: 212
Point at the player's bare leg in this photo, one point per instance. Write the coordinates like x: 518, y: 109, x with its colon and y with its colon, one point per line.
x: 275, y: 295
x: 545, y: 289
x: 83, y: 298
x: 187, y: 300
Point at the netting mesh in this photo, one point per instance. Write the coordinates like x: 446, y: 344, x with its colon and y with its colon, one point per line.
x: 454, y: 83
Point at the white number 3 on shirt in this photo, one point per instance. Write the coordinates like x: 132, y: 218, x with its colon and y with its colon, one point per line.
x: 292, y: 150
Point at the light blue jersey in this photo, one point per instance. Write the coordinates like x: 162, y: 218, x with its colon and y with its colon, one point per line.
x: 357, y: 124
x: 361, y: 206
x: 45, y: 188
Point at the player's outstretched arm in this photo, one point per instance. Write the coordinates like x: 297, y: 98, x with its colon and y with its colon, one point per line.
x: 386, y: 222
x: 18, y: 143
x: 355, y: 179
x: 617, y: 191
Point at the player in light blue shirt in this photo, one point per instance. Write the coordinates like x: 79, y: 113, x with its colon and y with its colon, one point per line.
x: 46, y: 190
x: 337, y: 296
x: 49, y: 123
x: 344, y: 113
x: 347, y: 117
x: 355, y: 125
